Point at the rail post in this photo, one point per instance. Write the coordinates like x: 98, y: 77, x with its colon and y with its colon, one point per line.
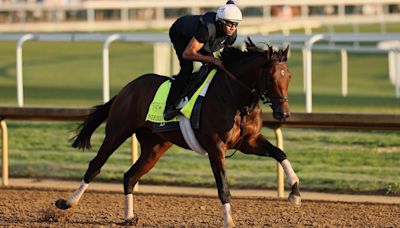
x: 343, y: 54
x: 308, y: 69
x: 279, y: 169
x: 20, y: 86
x: 106, y: 66
x: 162, y: 63
x: 134, y: 151
x: 397, y: 75
x: 4, y: 149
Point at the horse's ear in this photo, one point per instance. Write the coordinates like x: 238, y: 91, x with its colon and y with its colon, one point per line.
x: 249, y: 43
x: 285, y: 53
x: 269, y: 52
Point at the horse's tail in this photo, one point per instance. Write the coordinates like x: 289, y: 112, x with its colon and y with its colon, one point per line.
x: 93, y: 121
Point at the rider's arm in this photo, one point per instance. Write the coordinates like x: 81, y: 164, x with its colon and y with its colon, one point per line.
x: 192, y: 53
x: 192, y: 50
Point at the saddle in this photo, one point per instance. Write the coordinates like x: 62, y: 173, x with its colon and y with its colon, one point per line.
x: 196, y: 79
x: 189, y: 104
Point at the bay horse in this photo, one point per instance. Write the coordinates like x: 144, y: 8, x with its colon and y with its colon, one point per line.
x: 231, y: 118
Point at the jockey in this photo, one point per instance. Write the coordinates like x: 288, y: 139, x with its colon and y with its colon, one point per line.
x: 195, y: 38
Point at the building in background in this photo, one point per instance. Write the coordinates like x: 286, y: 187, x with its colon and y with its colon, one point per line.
x: 94, y: 15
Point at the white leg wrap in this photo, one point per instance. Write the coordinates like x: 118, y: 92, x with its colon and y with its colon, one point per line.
x: 290, y: 174
x: 128, y: 213
x: 73, y: 200
x: 226, y: 210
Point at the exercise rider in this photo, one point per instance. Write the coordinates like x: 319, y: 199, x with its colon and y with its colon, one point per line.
x: 195, y: 38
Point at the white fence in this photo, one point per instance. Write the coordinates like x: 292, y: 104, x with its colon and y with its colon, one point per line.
x: 307, y: 43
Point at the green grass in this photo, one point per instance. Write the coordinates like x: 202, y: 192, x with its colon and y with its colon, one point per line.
x: 325, y: 160
x: 70, y: 75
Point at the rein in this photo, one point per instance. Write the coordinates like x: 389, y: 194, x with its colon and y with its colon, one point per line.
x: 244, y: 110
x: 234, y: 78
x: 264, y: 98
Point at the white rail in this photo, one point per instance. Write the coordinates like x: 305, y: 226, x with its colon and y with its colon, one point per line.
x: 162, y: 65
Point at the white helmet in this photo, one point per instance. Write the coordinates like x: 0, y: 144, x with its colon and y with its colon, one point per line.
x: 229, y: 12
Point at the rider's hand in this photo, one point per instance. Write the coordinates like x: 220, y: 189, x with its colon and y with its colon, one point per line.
x: 217, y: 62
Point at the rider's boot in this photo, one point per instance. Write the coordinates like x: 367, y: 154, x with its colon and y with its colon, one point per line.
x: 176, y: 87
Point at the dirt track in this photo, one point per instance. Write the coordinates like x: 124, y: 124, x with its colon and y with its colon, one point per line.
x: 34, y: 208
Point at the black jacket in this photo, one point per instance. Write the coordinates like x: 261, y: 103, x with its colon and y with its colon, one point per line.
x: 204, y: 28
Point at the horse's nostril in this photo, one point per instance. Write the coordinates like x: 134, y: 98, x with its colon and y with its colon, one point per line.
x: 287, y: 114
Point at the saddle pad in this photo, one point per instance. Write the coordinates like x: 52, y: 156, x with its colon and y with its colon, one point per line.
x: 157, y: 106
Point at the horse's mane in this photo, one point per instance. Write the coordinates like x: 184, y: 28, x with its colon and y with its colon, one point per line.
x: 232, y: 54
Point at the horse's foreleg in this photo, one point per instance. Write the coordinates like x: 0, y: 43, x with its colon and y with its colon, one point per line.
x: 260, y: 146
x: 152, y: 148
x: 217, y: 161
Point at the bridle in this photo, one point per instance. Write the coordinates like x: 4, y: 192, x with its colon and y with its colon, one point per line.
x: 259, y: 93
x: 264, y: 96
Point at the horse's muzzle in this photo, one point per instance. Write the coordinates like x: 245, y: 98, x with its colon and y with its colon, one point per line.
x: 281, y: 116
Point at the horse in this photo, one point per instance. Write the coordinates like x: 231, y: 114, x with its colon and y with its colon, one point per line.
x: 231, y: 118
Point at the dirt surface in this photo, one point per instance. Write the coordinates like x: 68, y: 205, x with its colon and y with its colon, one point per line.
x: 21, y: 207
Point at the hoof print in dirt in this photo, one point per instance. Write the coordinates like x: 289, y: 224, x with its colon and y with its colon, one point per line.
x: 131, y: 222
x: 52, y: 215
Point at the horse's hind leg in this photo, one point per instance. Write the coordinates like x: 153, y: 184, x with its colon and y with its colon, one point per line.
x: 260, y: 146
x: 111, y: 142
x: 152, y: 148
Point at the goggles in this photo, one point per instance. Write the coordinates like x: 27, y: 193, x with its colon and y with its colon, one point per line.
x: 230, y: 24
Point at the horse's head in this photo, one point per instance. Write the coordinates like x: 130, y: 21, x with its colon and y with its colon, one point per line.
x: 278, y: 78
x: 274, y: 79
x: 265, y: 72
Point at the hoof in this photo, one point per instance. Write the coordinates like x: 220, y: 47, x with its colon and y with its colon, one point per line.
x: 62, y: 204
x: 230, y: 224
x: 295, y: 200
x: 294, y: 196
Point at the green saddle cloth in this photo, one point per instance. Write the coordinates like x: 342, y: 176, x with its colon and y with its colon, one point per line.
x: 156, y: 110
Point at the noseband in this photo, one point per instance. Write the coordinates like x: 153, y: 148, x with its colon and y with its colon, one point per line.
x: 267, y: 100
